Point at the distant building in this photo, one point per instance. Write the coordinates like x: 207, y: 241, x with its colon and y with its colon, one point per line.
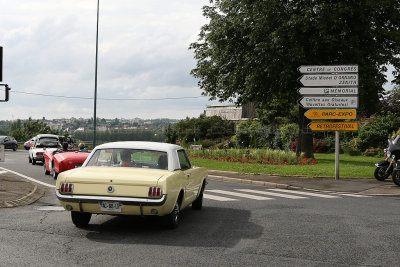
x: 232, y: 112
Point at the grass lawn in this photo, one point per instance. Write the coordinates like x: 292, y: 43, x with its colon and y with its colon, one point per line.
x: 350, y: 166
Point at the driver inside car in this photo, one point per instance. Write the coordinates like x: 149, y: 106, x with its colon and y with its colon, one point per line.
x: 126, y: 160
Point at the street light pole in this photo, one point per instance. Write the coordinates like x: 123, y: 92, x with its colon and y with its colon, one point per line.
x: 95, y: 77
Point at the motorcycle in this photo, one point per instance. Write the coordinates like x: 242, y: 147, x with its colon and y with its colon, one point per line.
x: 385, y: 167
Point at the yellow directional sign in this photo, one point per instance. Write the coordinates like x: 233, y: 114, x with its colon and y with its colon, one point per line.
x: 332, y: 114
x: 333, y: 126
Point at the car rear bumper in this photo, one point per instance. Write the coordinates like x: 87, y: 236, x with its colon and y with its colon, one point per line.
x: 123, y: 200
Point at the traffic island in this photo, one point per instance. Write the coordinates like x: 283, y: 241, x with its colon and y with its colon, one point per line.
x: 15, y: 191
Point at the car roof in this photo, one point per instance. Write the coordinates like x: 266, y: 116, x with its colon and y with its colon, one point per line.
x: 157, y: 146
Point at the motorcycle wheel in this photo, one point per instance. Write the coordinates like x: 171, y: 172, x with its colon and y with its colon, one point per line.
x: 396, y: 177
x: 380, y: 173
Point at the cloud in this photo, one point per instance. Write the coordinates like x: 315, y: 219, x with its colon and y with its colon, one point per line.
x: 49, y: 48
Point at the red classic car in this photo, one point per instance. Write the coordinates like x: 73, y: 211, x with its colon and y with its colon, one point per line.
x: 56, y: 162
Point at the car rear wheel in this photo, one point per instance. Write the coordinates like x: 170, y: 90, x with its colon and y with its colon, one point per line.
x: 29, y: 159
x: 80, y: 219
x: 33, y: 161
x: 45, y: 169
x: 198, y: 203
x: 15, y: 148
x: 172, y: 219
x: 53, y: 171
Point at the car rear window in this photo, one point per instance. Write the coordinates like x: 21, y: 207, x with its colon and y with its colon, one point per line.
x: 47, y: 142
x: 133, y: 158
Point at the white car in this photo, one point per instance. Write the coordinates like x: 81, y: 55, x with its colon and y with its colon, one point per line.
x: 42, y: 143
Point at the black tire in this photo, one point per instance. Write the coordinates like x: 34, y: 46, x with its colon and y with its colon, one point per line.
x: 33, y: 161
x: 380, y: 173
x: 396, y: 177
x: 198, y: 203
x: 29, y: 159
x: 15, y: 148
x: 46, y: 172
x: 53, y: 171
x: 172, y: 220
x: 80, y: 219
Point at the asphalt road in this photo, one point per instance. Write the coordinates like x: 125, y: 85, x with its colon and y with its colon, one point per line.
x: 238, y: 226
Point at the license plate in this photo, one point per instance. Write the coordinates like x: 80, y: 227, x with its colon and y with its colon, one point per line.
x: 110, y: 206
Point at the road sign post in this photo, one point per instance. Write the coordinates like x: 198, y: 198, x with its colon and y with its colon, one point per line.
x: 333, y: 90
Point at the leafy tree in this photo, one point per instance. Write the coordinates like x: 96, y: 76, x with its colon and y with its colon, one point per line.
x: 29, y: 129
x: 390, y: 101
x: 195, y: 129
x: 250, y: 50
x: 170, y: 134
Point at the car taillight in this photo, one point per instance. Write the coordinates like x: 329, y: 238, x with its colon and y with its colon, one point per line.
x: 39, y: 154
x: 155, y: 192
x: 66, y: 188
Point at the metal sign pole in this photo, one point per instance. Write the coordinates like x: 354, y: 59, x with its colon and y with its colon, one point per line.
x: 337, y: 148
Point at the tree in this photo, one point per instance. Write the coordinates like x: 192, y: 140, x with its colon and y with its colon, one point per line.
x: 250, y: 50
x: 390, y: 101
x: 29, y: 129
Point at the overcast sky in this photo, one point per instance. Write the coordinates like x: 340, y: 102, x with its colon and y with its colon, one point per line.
x: 49, y: 48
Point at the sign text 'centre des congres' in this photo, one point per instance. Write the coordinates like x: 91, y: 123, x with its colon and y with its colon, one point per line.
x: 328, y: 69
x: 329, y: 102
x: 329, y: 80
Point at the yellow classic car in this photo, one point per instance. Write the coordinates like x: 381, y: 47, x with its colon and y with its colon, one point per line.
x: 132, y: 178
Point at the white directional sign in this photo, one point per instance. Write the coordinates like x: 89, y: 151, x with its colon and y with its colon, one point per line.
x: 328, y: 91
x: 329, y: 102
x: 329, y: 69
x: 329, y: 80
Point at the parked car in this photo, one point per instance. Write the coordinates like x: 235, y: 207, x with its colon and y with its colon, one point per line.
x: 29, y: 143
x: 132, y: 178
x: 9, y: 142
x: 42, y: 143
x: 57, y: 161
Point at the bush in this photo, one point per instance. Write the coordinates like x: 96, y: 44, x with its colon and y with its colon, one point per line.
x: 289, y: 133
x: 372, y: 151
x: 352, y: 147
x: 378, y: 130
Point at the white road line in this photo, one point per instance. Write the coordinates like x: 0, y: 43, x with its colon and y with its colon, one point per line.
x: 271, y: 193
x: 51, y: 208
x: 350, y: 195
x: 304, y: 193
x: 239, y: 195
x: 218, y: 198
x: 29, y: 178
x: 3, y: 172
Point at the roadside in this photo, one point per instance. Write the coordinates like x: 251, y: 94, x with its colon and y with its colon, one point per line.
x: 16, y: 191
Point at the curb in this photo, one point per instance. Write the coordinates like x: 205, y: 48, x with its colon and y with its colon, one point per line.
x: 36, y: 193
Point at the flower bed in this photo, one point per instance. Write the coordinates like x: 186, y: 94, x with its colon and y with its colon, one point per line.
x: 252, y: 156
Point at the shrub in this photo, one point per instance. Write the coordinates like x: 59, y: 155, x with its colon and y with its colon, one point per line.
x: 289, y: 133
x: 352, y: 147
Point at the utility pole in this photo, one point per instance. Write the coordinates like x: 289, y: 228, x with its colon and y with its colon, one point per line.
x: 95, y: 77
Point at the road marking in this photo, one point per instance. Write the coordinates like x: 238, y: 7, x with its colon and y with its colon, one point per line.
x: 218, y: 198
x: 29, y: 178
x: 239, y: 195
x: 350, y: 195
x: 3, y: 172
x: 304, y: 193
x: 271, y: 193
x: 51, y: 208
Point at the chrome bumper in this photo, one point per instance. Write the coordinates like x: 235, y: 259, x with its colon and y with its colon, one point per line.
x: 123, y: 200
